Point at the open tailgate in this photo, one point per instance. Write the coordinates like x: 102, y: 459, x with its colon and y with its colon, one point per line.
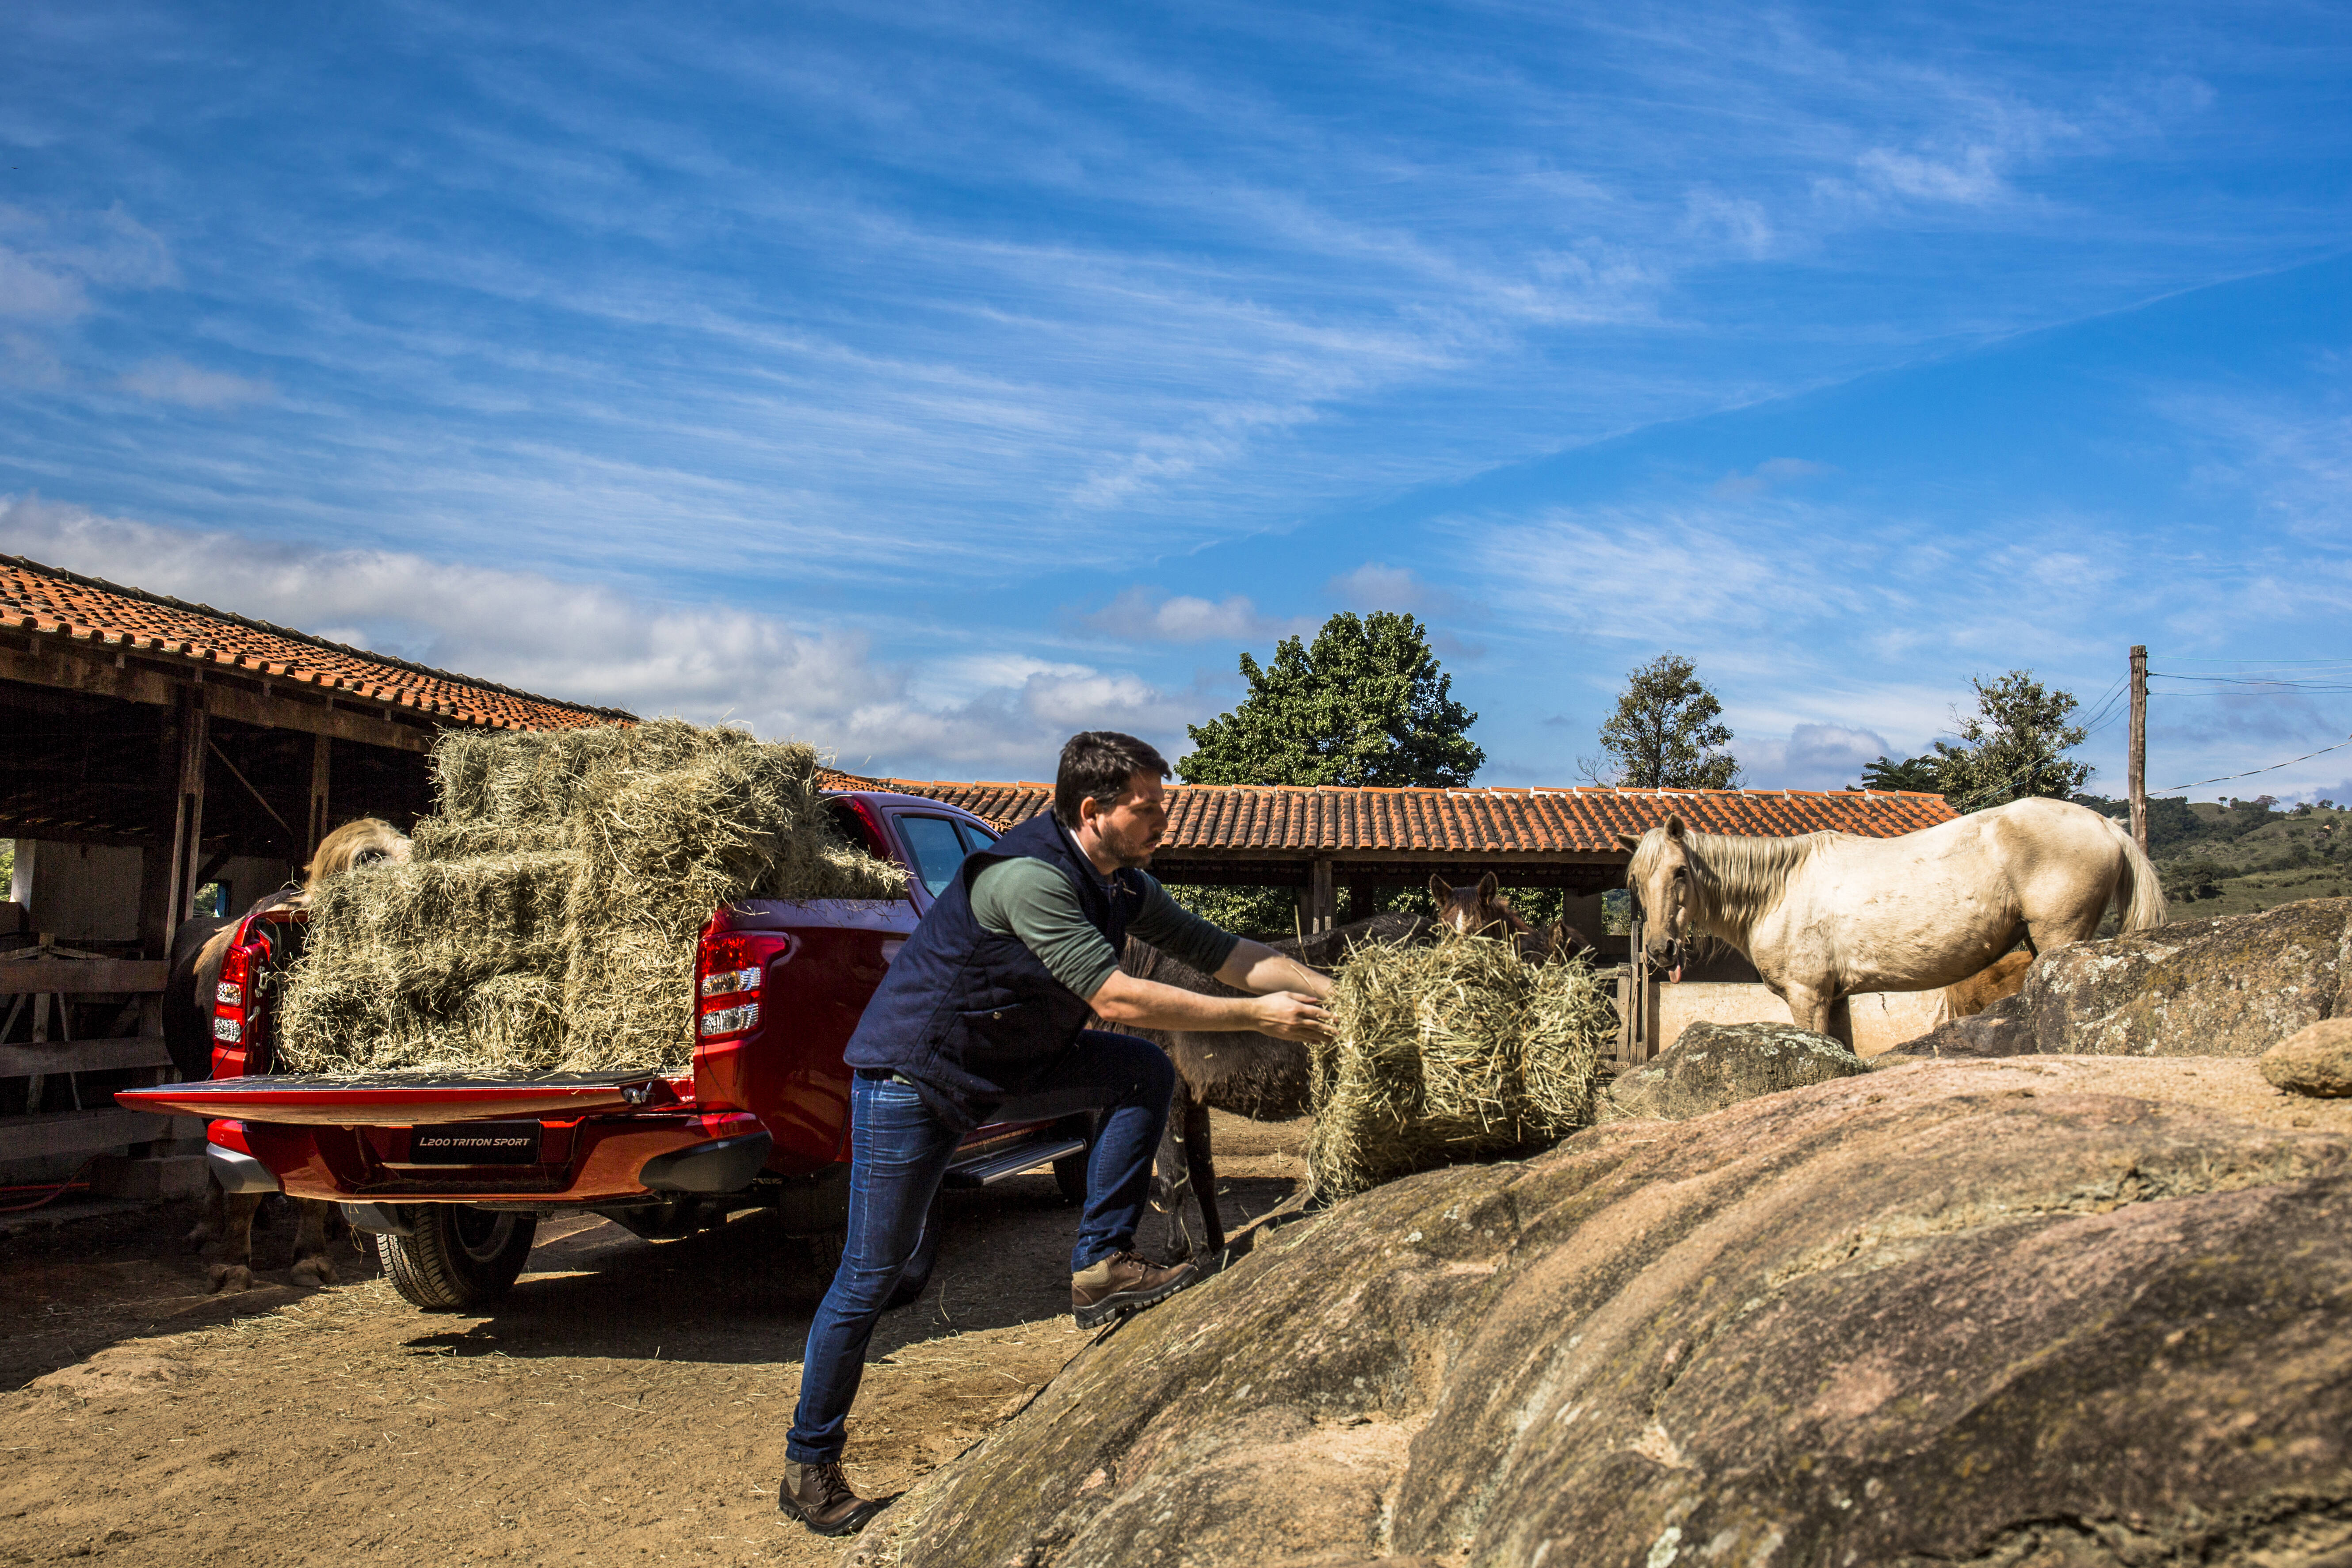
x: 393, y: 1099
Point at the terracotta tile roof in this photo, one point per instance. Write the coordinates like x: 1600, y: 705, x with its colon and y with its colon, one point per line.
x: 1466, y: 821
x: 46, y: 598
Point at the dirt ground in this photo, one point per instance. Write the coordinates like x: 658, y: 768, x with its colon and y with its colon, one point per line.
x: 627, y: 1402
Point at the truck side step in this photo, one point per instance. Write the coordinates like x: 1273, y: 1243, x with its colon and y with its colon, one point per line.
x: 1014, y: 1161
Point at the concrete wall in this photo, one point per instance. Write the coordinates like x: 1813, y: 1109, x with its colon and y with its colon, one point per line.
x: 79, y: 891
x: 89, y: 892
x: 1881, y: 1020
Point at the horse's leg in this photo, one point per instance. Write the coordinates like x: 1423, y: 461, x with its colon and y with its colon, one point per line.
x: 234, y: 1269
x: 1203, y: 1166
x: 1172, y: 1178
x: 1814, y: 1008
x: 313, y: 1264
x: 210, y: 1219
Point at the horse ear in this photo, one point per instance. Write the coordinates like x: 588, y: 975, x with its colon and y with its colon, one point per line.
x: 1674, y: 829
x: 1487, y: 887
x: 1630, y: 840
x: 1439, y: 888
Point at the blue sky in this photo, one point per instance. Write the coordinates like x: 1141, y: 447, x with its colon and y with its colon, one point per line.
x: 930, y: 383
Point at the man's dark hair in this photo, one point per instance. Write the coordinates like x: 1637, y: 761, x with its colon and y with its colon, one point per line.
x: 1096, y: 765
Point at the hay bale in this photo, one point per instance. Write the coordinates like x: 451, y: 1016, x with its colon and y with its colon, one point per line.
x: 1460, y: 1051
x: 547, y: 921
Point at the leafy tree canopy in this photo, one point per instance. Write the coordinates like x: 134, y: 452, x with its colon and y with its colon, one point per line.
x: 1916, y: 774
x: 1366, y: 704
x: 1665, y: 732
x: 2012, y: 747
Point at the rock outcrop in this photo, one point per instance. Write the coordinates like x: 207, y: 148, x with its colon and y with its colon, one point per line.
x: 1715, y: 1065
x: 1949, y: 1313
x: 2233, y: 987
x: 2318, y: 1062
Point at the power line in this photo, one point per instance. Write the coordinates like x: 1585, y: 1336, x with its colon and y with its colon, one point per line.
x: 2250, y: 773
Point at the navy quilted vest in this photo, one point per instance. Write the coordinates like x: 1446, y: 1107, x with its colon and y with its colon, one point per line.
x: 970, y: 1017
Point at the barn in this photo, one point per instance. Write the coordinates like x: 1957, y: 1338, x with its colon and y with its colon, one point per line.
x: 158, y: 751
x: 1330, y: 841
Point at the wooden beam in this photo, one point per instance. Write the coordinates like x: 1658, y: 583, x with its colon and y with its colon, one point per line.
x: 187, y: 813
x: 84, y: 1055
x: 81, y: 976
x: 1324, y: 914
x: 323, y: 756
x: 102, y: 671
x: 78, y: 1133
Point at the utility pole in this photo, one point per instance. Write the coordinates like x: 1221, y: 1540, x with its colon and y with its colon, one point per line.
x: 2139, y: 747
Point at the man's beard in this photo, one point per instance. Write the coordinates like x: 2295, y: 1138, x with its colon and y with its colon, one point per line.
x: 1126, y: 854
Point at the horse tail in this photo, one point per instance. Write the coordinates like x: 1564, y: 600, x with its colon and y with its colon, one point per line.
x: 2139, y: 892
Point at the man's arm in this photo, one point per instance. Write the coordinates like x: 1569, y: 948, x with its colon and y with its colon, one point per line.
x: 1287, y: 1015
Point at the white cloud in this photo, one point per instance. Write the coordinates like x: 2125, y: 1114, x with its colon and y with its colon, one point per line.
x: 1970, y: 180
x: 1813, y: 756
x: 169, y: 380
x: 1377, y: 585
x: 1135, y: 616
x: 1771, y: 472
x: 592, y: 644
x: 46, y: 262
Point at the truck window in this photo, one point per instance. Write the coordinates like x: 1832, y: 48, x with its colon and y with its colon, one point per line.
x: 853, y: 825
x: 975, y: 837
x: 935, y: 850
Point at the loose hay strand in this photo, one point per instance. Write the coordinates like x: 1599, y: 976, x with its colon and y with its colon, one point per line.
x: 547, y: 923
x: 1459, y: 1051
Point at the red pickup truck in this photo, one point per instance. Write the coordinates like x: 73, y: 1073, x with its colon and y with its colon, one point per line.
x: 453, y: 1174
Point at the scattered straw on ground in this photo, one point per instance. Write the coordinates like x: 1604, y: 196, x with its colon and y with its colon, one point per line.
x: 1456, y: 1052
x: 547, y: 923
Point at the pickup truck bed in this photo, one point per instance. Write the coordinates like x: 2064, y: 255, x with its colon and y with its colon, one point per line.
x: 761, y: 1121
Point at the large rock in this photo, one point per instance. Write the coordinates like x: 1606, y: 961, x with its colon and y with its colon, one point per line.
x: 2318, y: 1062
x: 1972, y: 1312
x: 1715, y: 1065
x: 2233, y: 987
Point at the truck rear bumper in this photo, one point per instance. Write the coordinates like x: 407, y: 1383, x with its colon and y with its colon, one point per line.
x: 594, y: 1160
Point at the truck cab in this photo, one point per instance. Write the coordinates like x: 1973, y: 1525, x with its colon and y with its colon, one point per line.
x: 451, y: 1173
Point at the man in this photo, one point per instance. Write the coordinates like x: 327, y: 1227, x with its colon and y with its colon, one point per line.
x: 983, y: 1018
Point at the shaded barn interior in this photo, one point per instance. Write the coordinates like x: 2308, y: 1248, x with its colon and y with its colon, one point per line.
x: 156, y: 748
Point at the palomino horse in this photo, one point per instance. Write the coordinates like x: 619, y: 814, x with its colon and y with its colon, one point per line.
x: 198, y: 948
x: 1482, y: 910
x: 1240, y: 1071
x: 1825, y: 915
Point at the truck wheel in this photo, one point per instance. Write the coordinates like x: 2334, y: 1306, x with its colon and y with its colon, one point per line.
x: 458, y: 1256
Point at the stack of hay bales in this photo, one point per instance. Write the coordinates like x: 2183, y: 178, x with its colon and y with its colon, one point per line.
x: 547, y: 921
x: 1460, y: 1051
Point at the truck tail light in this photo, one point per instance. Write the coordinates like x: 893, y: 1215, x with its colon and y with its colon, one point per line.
x: 730, y: 969
x: 230, y: 995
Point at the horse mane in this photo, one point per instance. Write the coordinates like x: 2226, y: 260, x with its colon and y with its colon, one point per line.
x: 1739, y: 875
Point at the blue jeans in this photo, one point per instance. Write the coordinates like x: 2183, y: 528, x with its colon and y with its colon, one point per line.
x: 897, y: 1154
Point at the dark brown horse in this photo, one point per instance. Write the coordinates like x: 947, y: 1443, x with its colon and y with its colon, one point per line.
x: 1482, y: 910
x: 1245, y: 1073
x: 198, y: 950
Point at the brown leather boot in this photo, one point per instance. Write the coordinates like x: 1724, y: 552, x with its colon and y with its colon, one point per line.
x: 1121, y: 1283
x: 819, y: 1496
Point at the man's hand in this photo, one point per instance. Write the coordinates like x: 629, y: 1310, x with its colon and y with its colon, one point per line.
x: 1292, y: 1015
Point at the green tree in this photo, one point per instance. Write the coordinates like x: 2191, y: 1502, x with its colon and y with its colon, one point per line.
x: 1665, y: 732
x: 2012, y: 747
x: 1367, y: 704
x: 1915, y: 773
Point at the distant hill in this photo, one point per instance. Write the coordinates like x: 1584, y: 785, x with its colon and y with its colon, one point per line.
x: 2246, y: 855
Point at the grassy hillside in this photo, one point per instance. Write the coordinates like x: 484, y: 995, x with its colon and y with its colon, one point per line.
x: 2246, y: 855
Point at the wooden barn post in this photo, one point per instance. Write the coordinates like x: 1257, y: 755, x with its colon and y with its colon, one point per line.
x: 2139, y: 765
x: 323, y: 751
x: 187, y: 811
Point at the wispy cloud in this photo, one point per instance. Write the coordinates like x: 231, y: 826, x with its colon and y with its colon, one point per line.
x: 1767, y: 474
x: 169, y: 380
x: 590, y: 643
x: 1140, y: 615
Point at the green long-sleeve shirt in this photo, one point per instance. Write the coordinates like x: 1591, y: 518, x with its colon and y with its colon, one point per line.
x: 1031, y: 900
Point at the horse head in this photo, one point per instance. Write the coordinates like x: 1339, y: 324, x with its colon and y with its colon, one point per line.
x: 1665, y: 884
x: 363, y: 841
x: 1475, y: 912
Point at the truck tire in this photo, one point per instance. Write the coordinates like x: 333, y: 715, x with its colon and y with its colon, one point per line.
x: 826, y: 1248
x: 457, y: 1256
